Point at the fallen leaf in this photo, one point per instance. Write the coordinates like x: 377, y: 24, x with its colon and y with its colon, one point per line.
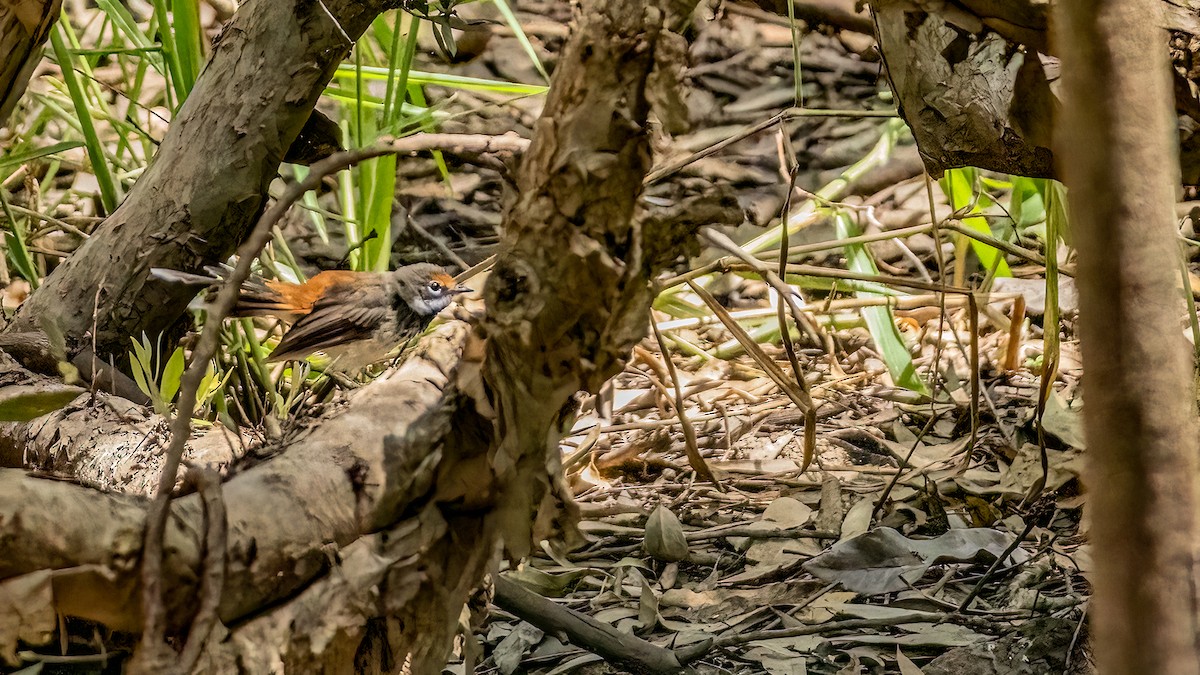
x: 665, y: 540
x: 885, y: 561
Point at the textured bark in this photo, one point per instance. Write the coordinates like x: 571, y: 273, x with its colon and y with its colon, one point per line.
x: 971, y: 97
x: 388, y: 462
x: 24, y: 26
x: 569, y: 296
x: 208, y: 181
x: 97, y: 439
x: 1140, y: 417
x: 972, y: 79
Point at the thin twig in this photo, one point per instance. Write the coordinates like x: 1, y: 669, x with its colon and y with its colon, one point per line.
x: 212, y: 583
x: 437, y: 243
x: 800, y: 396
x: 887, y: 491
x: 941, y: 263
x: 689, y: 431
x: 734, y: 264
x: 785, y: 333
x: 973, y: 321
x: 1029, y: 524
x: 693, y: 652
x: 782, y: 116
x: 832, y: 244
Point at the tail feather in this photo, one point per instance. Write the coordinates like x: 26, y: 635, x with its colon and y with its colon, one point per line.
x: 184, y: 278
x: 255, y: 298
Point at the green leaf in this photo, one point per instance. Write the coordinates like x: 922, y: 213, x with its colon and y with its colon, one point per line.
x: 1027, y: 206
x: 24, y: 402
x: 18, y: 158
x: 378, y: 211
x: 189, y: 40
x: 449, y: 81
x: 959, y: 187
x: 880, y: 321
x: 172, y: 374
x: 673, y: 304
x: 109, y: 194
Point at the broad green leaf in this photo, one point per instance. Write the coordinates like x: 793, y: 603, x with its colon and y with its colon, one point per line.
x: 21, y: 403
x: 172, y: 374
x: 880, y: 321
x: 959, y: 187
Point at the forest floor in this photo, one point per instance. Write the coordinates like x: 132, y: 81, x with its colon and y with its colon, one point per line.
x: 896, y: 551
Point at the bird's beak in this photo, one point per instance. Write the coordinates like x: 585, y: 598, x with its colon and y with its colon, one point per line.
x: 459, y: 289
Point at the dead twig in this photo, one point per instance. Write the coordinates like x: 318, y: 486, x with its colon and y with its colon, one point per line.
x: 582, y: 630
x: 689, y: 431
x: 212, y: 582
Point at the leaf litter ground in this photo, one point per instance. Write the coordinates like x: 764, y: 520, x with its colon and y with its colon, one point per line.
x: 924, y: 538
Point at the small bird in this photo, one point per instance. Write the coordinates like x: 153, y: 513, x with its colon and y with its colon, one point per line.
x: 355, y: 318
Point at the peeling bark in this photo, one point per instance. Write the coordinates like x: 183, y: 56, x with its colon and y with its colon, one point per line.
x: 569, y: 296
x: 973, y: 80
x: 288, y: 518
x: 24, y: 27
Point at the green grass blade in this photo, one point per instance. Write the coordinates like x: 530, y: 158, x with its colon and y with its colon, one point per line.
x: 880, y: 321
x: 377, y: 211
x: 175, y: 69
x: 189, y: 39
x: 396, y: 120
x: 108, y: 187
x: 510, y: 18
x: 14, y: 240
x: 393, y: 64
x: 449, y: 81
x: 18, y: 158
x: 127, y: 27
x: 801, y: 217
x: 314, y: 208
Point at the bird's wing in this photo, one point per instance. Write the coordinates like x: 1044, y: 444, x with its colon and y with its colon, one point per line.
x: 343, y: 315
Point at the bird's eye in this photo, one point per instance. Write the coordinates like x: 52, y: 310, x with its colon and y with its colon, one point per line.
x: 435, y: 286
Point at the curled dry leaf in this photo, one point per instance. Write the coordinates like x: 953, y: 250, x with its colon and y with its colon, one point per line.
x: 885, y: 561
x: 665, y: 540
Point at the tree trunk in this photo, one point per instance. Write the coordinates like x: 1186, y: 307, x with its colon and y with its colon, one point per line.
x: 24, y: 26
x: 1115, y: 146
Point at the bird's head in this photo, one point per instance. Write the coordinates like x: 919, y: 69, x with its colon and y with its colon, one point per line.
x: 427, y: 288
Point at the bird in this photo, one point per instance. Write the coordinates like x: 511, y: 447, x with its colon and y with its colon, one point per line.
x: 355, y: 318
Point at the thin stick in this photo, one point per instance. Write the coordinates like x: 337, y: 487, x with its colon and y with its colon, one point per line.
x: 213, y: 580
x: 689, y: 432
